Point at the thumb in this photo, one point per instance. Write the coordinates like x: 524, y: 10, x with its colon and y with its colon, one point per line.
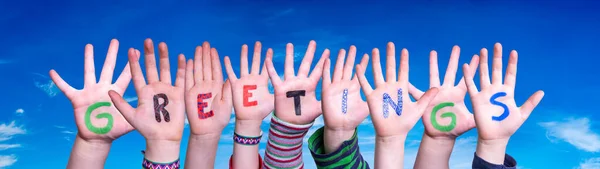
x: 426, y: 98
x: 124, y: 108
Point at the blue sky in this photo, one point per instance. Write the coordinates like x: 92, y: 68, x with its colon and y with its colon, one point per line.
x: 557, y: 43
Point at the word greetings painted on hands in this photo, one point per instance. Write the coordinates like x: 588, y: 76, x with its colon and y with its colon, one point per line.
x: 247, y: 96
x: 161, y: 107
x: 296, y: 95
x: 202, y: 105
x: 387, y: 100
x: 494, y: 102
x: 345, y: 101
x: 436, y: 125
x: 103, y: 115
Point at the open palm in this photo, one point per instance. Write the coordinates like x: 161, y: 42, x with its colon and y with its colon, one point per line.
x: 159, y: 113
x: 496, y: 114
x: 208, y: 98
x: 447, y: 115
x: 343, y: 108
x: 251, y: 97
x: 95, y: 115
x: 399, y: 114
x: 301, y: 86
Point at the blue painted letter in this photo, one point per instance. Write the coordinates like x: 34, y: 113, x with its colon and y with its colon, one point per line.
x: 388, y: 100
x: 494, y: 102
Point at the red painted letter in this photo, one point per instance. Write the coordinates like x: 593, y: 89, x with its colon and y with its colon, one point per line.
x: 202, y: 105
x: 247, y: 95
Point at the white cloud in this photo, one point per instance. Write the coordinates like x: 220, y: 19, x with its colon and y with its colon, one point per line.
x: 591, y: 163
x: 68, y: 132
x: 19, y: 111
x: 8, y: 131
x: 48, y: 87
x: 575, y: 132
x: 7, y: 160
x: 131, y: 99
x: 9, y: 146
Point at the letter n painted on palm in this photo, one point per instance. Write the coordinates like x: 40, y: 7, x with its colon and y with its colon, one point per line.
x: 389, y: 102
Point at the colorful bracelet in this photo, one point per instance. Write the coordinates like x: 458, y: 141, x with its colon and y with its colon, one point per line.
x: 244, y: 140
x: 147, y: 164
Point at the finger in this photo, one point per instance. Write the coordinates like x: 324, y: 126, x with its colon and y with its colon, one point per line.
x: 484, y: 75
x: 256, y: 58
x: 264, y: 72
x: 426, y: 99
x: 327, y: 73
x: 364, y: 83
x: 289, y: 61
x: 449, y: 79
x: 109, y: 63
x: 364, y: 62
x: 434, y: 75
x: 89, y: 71
x: 531, y: 103
x: 471, y: 88
x: 497, y: 64
x: 307, y: 60
x: 403, y: 66
x: 180, y: 77
x: 136, y: 70
x: 165, y: 69
x: 229, y: 70
x: 124, y: 108
x: 244, y: 61
x: 124, y: 79
x: 198, y: 77
x: 189, y: 75
x: 511, y: 70
x: 206, y: 64
x: 349, y: 63
x: 216, y: 66
x: 150, y: 61
x: 226, y: 92
x: 275, y: 80
x: 61, y: 84
x: 473, y: 68
x: 339, y: 65
x: 318, y: 70
x: 377, y: 74
x: 390, y: 70
x: 415, y: 92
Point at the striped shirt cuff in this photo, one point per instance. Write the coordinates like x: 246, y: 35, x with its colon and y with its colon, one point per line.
x: 347, y: 156
x: 284, y: 147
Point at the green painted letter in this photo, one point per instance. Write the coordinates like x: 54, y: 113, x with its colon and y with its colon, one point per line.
x: 436, y: 125
x: 106, y: 115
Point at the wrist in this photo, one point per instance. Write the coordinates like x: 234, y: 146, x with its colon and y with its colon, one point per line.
x: 492, y: 151
x: 396, y: 139
x: 162, y: 151
x: 438, y: 142
x: 99, y: 147
x: 248, y: 127
x: 334, y: 138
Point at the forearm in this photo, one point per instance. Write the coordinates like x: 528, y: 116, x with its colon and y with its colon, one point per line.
x: 202, y: 150
x: 347, y: 155
x: 389, y: 152
x: 492, y: 151
x: 242, y: 153
x: 162, y: 151
x: 88, y: 154
x: 434, y: 152
x: 333, y: 139
x: 284, y: 147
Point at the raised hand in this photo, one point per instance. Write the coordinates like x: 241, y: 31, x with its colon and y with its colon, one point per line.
x: 343, y: 107
x: 446, y: 116
x: 496, y: 114
x: 207, y: 97
x: 251, y: 98
x: 159, y: 115
x: 96, y: 117
x: 298, y: 90
x: 392, y: 111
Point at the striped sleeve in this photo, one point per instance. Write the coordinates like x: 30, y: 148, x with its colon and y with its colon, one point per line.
x: 347, y: 156
x: 284, y: 147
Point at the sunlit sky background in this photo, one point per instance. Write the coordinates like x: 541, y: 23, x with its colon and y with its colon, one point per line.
x: 557, y: 43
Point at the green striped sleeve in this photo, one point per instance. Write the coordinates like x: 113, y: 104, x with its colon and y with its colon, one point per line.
x: 347, y: 156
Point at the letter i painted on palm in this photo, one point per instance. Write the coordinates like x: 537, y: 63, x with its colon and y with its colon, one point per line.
x: 387, y: 100
x: 494, y: 102
x: 345, y: 101
x: 202, y: 105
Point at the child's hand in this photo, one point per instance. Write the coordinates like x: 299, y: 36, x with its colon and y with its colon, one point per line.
x: 295, y: 100
x: 96, y: 117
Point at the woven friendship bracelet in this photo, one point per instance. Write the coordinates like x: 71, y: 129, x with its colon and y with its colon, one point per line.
x: 244, y: 140
x: 147, y: 164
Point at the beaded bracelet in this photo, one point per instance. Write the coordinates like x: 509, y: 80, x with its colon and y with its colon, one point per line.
x: 244, y: 140
x: 147, y: 164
